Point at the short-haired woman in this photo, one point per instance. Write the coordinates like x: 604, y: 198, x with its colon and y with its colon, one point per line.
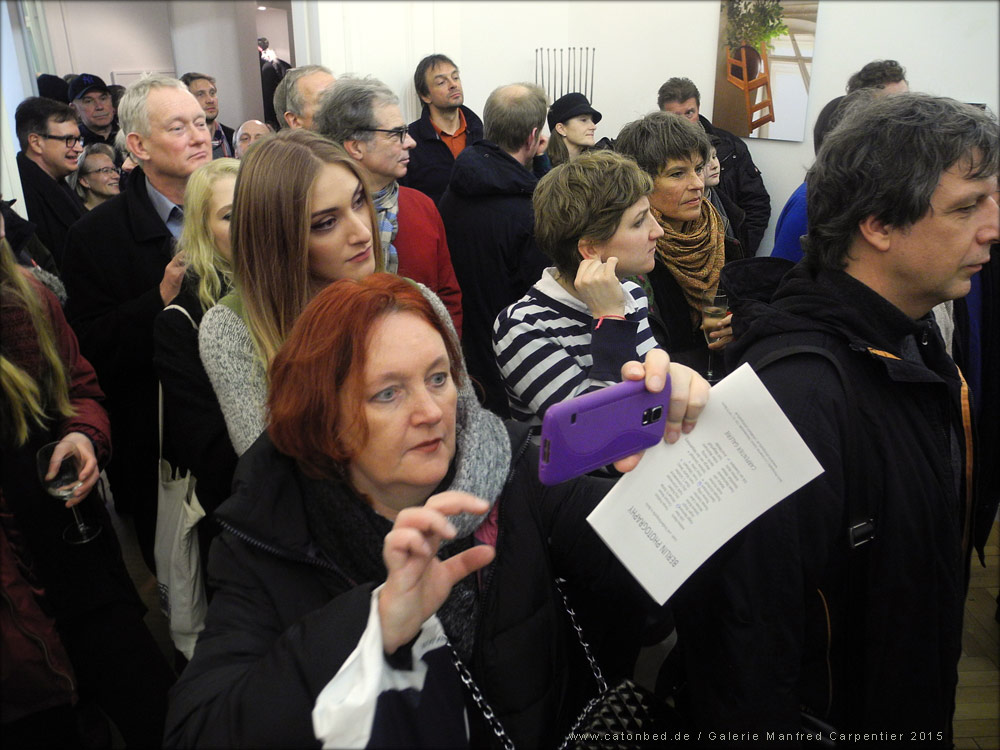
x: 345, y: 563
x: 693, y: 247
x: 96, y: 177
x: 580, y: 322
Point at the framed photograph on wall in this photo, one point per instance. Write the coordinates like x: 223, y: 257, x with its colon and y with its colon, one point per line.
x: 764, y: 67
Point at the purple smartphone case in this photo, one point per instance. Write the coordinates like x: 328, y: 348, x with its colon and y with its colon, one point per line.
x: 596, y: 429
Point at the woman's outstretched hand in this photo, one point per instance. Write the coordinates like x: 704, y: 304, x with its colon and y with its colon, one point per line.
x: 418, y: 582
x: 688, y: 395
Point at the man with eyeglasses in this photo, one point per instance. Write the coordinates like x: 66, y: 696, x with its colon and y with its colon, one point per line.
x: 445, y: 126
x: 204, y: 90
x: 50, y: 144
x: 362, y: 115
x: 91, y: 99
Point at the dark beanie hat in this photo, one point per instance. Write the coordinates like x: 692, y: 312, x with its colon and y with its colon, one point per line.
x: 569, y: 106
x: 53, y: 87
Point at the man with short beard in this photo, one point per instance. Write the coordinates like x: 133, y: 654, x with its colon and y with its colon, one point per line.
x: 204, y: 90
x: 444, y: 129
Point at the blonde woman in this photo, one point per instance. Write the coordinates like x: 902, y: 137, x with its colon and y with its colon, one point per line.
x: 194, y: 432
x: 96, y: 178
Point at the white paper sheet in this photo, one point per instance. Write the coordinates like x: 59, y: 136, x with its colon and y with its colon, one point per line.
x: 684, y: 501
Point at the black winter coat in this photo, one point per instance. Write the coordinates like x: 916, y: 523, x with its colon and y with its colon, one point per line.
x: 195, y: 437
x: 671, y: 320
x: 488, y: 216
x: 279, y: 627
x: 757, y: 621
x: 431, y: 161
x: 52, y: 206
x: 115, y: 257
x: 741, y: 182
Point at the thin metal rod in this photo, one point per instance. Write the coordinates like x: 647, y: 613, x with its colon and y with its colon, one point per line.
x: 593, y: 54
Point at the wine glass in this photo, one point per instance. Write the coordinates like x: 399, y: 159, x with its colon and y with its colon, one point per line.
x: 714, y: 308
x: 61, y: 485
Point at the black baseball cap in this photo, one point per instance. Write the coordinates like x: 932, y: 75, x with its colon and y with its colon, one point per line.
x: 569, y: 106
x: 86, y: 82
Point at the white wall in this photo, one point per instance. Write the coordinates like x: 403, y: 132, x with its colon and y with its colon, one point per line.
x: 99, y: 37
x: 15, y: 86
x: 219, y: 38
x: 947, y: 47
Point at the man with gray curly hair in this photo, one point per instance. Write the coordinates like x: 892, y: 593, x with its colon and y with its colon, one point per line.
x: 120, y: 271
x: 363, y: 116
x: 843, y: 604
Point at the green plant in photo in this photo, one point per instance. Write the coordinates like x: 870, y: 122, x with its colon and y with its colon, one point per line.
x: 753, y: 23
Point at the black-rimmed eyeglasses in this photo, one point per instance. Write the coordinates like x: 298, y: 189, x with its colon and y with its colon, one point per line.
x: 69, y: 140
x: 400, y: 133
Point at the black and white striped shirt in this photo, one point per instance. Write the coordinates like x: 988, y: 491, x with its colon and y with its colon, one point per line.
x: 548, y: 349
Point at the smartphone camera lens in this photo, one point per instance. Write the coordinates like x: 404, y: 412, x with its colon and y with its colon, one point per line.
x: 651, y: 415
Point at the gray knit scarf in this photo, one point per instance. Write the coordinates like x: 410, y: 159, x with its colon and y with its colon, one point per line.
x: 351, y: 533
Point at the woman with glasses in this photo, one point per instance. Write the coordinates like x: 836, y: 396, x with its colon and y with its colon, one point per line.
x: 96, y: 177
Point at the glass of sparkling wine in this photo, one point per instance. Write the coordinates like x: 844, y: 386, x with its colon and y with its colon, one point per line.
x: 714, y: 308
x: 60, y: 482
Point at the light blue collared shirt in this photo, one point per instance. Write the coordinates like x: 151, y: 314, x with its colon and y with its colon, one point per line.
x: 169, y: 212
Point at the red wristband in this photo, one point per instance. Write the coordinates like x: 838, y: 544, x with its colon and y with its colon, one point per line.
x: 601, y: 319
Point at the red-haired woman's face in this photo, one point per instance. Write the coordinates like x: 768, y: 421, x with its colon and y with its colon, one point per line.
x: 409, y: 406
x: 340, y: 230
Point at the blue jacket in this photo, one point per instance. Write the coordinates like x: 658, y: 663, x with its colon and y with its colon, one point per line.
x: 792, y: 225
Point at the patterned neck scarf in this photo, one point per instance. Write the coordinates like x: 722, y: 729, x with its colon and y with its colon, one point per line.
x: 694, y: 255
x: 387, y: 210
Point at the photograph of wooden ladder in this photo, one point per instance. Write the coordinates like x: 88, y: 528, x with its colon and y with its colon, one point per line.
x: 749, y: 88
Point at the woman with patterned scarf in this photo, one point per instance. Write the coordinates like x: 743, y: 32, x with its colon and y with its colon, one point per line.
x: 694, y: 246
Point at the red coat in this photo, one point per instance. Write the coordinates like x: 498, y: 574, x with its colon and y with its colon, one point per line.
x: 423, y: 250
x: 37, y: 672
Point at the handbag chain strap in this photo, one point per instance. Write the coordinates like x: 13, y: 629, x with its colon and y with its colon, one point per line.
x: 480, y: 700
x: 487, y: 711
x: 602, y: 685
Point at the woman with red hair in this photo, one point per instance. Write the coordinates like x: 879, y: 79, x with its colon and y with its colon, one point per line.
x: 343, y: 566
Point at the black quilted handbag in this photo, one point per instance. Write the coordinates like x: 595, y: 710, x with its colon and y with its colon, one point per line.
x: 625, y: 716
